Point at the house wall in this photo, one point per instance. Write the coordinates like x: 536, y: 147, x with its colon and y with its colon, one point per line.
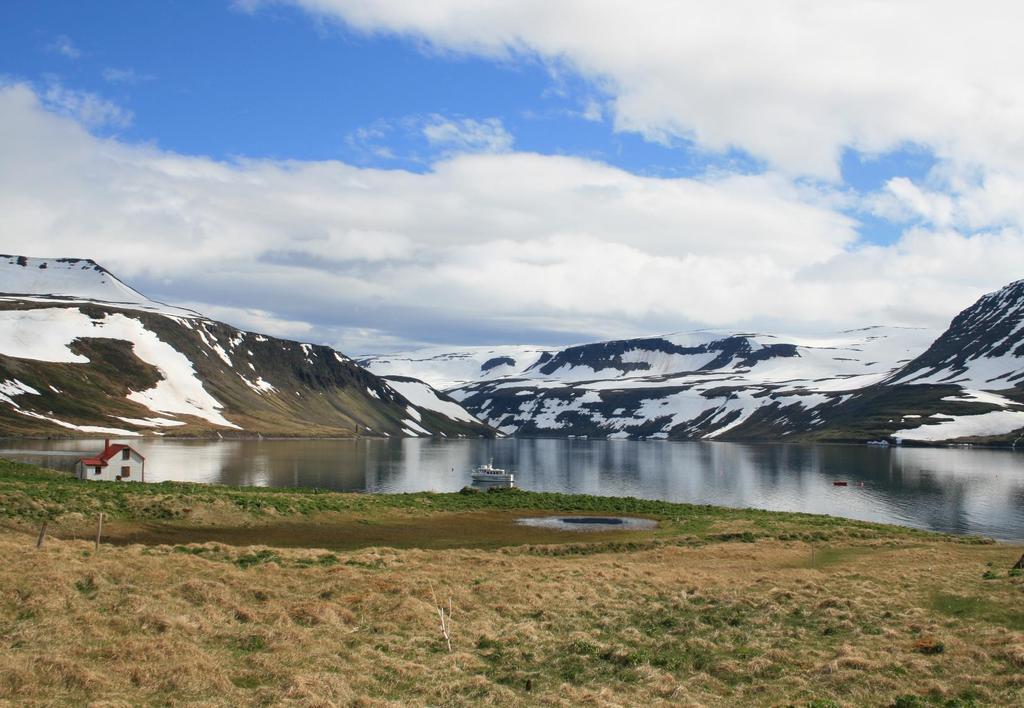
x: 113, y: 470
x: 136, y: 463
x: 106, y: 474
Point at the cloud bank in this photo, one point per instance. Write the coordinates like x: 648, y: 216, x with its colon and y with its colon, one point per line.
x: 485, y: 246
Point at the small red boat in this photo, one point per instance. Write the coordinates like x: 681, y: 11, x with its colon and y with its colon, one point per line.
x: 840, y: 484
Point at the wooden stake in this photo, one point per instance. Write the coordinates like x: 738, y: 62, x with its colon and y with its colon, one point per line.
x: 812, y: 556
x: 99, y: 531
x: 42, y: 534
x: 445, y: 623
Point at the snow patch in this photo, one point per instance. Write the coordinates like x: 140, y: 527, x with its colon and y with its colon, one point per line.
x: 259, y: 385
x: 80, y: 428
x: 211, y: 341
x: 13, y: 387
x: 423, y: 396
x: 151, y: 422
x: 964, y: 426
x: 46, y: 335
x: 416, y: 426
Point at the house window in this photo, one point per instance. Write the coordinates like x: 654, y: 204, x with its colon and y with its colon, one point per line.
x: 97, y: 470
x: 125, y: 454
x: 126, y: 471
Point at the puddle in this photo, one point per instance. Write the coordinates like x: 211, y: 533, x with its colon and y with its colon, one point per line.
x: 588, y: 523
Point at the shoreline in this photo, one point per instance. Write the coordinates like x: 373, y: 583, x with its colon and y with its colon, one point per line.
x: 995, y: 536
x: 274, y: 503
x: 245, y: 437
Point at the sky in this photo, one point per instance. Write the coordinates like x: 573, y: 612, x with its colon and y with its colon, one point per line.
x: 380, y: 175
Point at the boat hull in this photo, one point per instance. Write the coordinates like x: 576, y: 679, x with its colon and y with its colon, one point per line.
x: 477, y: 477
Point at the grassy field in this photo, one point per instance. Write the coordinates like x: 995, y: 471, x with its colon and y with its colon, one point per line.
x: 228, y: 596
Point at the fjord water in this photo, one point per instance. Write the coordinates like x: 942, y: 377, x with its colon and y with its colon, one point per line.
x: 964, y: 491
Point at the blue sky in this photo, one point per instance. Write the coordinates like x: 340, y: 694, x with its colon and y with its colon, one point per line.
x: 209, y: 78
x: 700, y: 155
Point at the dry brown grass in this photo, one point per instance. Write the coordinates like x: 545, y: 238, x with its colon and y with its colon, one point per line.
x: 723, y: 624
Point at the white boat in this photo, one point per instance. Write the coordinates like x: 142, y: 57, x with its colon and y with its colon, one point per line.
x: 490, y: 473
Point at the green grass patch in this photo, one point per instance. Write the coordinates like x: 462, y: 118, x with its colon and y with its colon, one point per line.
x: 249, y: 644
x: 248, y: 682
x: 248, y: 560
x: 980, y: 609
x: 162, y: 514
x: 87, y: 587
x: 30, y: 492
x: 966, y: 700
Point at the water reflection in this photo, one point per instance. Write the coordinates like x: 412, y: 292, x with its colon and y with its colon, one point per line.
x: 956, y: 490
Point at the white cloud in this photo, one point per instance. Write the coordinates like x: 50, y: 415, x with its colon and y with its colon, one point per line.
x: 65, y: 47
x: 902, y: 200
x: 592, y: 111
x: 493, y: 245
x: 368, y: 340
x: 468, y: 135
x: 792, y: 82
x: 253, y: 320
x: 422, y: 139
x: 87, y: 108
x: 115, y: 75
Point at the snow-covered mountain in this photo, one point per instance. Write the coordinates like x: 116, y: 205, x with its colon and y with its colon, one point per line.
x: 83, y: 353
x: 443, y: 368
x: 691, y: 385
x: 983, y: 348
x: 879, y: 383
x: 971, y: 376
x: 72, y: 280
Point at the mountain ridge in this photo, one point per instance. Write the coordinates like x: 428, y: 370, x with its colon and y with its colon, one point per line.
x: 82, y: 352
x: 72, y: 363
x: 964, y: 384
x: 687, y: 385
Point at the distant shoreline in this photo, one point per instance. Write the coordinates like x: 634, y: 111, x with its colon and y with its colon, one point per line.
x: 249, y: 436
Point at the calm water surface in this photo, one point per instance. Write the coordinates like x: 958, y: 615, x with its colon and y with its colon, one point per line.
x: 943, y: 489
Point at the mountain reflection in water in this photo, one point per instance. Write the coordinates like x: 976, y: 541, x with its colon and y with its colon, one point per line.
x: 944, y: 489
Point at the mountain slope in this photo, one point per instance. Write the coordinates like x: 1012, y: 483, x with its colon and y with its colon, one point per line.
x: 682, y: 386
x: 73, y: 280
x: 967, y: 386
x: 983, y: 348
x: 74, y: 363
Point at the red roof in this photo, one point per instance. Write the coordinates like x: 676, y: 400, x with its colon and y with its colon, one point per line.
x: 101, y: 459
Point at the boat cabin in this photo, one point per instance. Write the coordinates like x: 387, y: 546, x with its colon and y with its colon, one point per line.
x: 116, y: 463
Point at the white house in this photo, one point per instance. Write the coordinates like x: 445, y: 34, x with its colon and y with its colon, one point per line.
x: 117, y: 463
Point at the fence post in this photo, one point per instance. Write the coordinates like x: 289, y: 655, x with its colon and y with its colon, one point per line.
x: 42, y: 534
x: 99, y: 531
